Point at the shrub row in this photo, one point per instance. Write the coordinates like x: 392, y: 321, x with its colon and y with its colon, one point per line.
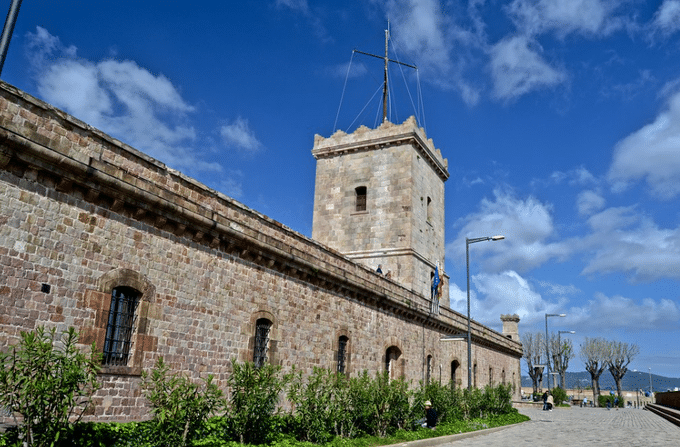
x: 319, y: 408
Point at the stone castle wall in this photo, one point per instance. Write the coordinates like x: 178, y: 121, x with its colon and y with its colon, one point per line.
x: 83, y: 213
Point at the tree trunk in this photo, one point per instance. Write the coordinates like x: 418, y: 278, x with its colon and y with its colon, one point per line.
x: 596, y: 391
x: 618, y: 387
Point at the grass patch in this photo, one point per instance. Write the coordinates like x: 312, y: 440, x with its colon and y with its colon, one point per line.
x: 441, y: 430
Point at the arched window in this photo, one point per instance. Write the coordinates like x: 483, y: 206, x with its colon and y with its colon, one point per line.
x: 391, y: 356
x: 360, y: 198
x: 262, y: 329
x: 120, y: 325
x: 342, y: 353
x: 503, y: 376
x: 429, y: 209
x: 490, y: 375
x: 474, y: 375
x: 428, y: 372
x: 454, y: 369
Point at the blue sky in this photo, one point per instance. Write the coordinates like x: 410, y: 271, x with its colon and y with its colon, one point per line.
x: 560, y: 120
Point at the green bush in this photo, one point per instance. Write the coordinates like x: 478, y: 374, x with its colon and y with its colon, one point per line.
x: 179, y: 406
x: 255, y: 394
x: 322, y: 405
x: 603, y: 399
x: 325, y: 408
x: 49, y: 382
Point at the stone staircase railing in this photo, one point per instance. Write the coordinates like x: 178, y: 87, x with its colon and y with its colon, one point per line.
x: 668, y: 413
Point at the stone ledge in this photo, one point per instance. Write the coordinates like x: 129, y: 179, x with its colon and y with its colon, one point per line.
x: 135, y: 186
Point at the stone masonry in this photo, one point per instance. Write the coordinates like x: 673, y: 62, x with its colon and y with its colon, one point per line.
x: 82, y: 213
x: 402, y: 226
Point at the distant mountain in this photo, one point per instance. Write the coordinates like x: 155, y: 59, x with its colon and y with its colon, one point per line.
x: 633, y: 380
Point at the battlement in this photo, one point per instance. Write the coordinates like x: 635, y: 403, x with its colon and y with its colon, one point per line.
x: 385, y: 135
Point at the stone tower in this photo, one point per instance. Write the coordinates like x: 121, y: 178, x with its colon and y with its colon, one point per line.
x: 379, y: 200
x: 511, y: 326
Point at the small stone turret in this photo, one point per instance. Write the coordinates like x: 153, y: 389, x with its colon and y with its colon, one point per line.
x: 511, y: 326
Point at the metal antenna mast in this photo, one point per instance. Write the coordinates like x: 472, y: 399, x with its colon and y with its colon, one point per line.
x: 387, y: 60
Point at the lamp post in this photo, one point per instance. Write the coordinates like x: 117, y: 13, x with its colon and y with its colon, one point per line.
x: 547, y: 347
x: 469, y: 241
x: 559, y: 345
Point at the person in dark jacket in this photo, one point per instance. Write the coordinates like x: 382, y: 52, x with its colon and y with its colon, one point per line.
x: 430, y: 416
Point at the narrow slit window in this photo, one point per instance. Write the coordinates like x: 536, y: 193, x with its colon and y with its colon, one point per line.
x: 120, y: 325
x: 342, y: 354
x: 360, y: 198
x: 454, y: 370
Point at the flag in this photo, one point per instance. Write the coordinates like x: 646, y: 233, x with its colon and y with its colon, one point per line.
x: 435, y: 282
x: 436, y: 289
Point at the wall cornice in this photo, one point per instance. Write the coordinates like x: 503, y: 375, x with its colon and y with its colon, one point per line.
x: 43, y: 144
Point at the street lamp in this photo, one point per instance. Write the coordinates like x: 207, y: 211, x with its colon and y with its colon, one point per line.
x: 469, y: 241
x: 547, y: 347
x: 559, y: 345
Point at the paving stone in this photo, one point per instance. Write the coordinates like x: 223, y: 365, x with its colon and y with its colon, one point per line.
x: 580, y: 427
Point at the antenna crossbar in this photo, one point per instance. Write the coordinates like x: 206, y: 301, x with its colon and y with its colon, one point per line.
x: 387, y: 61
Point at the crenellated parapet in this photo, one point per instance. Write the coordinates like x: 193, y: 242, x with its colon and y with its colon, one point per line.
x: 386, y: 135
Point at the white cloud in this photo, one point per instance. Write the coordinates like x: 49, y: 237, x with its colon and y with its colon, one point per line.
x: 651, y: 153
x: 349, y: 70
x: 232, y: 184
x: 517, y: 68
x: 296, y: 5
x: 559, y: 289
x: 618, y: 312
x: 493, y: 295
x: 624, y: 241
x: 120, y: 98
x: 527, y: 225
x: 579, y: 176
x: 302, y: 7
x: 667, y: 17
x: 74, y: 85
x: 586, y: 17
x: 239, y: 135
x: 589, y: 202
x: 430, y: 37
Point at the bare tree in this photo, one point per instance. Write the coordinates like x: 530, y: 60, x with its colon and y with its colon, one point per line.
x: 620, y: 356
x: 533, y: 345
x: 594, y: 353
x: 562, y: 351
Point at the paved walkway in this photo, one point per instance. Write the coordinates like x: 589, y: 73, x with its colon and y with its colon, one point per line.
x: 580, y: 427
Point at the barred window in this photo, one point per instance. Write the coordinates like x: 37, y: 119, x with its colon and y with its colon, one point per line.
x: 120, y: 325
x: 342, y: 354
x: 262, y: 329
x: 360, y: 198
x: 428, y: 374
